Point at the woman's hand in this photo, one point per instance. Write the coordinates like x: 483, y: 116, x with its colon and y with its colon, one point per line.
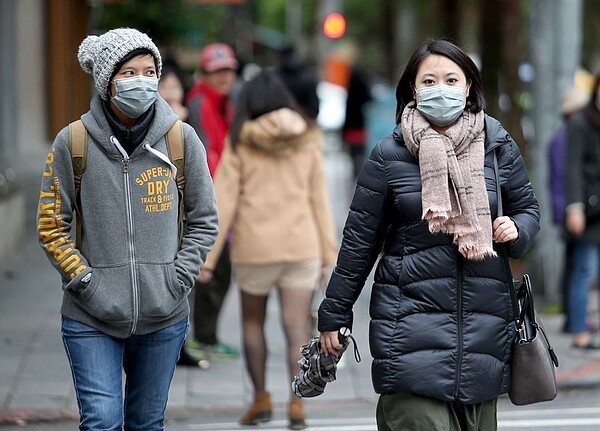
x: 504, y: 230
x: 205, y: 276
x: 575, y: 220
x: 330, y: 343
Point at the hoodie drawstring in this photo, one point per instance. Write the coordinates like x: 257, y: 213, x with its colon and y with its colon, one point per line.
x: 161, y: 156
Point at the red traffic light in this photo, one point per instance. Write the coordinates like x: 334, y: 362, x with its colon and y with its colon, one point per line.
x: 334, y: 25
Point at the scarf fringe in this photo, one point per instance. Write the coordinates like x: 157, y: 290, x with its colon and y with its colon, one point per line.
x: 477, y: 252
x: 457, y: 231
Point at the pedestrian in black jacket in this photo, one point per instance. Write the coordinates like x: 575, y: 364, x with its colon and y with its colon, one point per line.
x: 442, y: 329
x: 582, y: 214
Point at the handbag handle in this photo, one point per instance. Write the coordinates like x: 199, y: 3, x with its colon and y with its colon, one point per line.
x: 526, y: 316
x: 498, y: 190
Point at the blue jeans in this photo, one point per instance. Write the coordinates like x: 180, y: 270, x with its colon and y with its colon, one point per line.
x: 97, y: 363
x: 586, y: 261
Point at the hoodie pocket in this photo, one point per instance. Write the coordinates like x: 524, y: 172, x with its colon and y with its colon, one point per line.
x: 108, y: 296
x: 160, y: 292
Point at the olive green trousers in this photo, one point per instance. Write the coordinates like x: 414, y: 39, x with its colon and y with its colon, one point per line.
x: 406, y: 412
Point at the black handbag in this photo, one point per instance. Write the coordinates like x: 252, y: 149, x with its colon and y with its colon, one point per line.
x: 533, y: 360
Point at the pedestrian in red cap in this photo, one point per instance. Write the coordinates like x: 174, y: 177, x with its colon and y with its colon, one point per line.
x: 211, y: 113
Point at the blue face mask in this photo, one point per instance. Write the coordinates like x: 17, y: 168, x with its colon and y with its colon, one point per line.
x: 441, y: 104
x: 135, y: 95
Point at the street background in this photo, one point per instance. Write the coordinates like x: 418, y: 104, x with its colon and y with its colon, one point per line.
x: 36, y: 390
x: 528, y: 51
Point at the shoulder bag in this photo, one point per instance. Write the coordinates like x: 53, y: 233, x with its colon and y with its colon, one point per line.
x: 533, y: 360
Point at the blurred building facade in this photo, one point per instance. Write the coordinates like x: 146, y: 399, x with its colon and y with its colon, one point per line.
x: 43, y: 89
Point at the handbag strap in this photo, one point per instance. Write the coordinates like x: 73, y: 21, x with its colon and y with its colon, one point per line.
x: 523, y: 298
x: 498, y: 190
x: 502, y: 246
x: 526, y: 283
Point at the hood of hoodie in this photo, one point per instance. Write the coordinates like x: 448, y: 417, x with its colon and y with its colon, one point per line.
x: 277, y: 132
x: 100, y: 131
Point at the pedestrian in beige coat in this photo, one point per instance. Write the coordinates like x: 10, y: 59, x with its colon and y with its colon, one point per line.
x: 274, y: 207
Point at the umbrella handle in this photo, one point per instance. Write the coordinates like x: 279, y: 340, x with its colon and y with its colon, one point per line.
x: 343, y: 335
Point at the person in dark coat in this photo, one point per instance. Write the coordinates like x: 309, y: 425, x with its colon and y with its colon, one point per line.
x: 574, y: 99
x: 582, y: 220
x: 354, y: 130
x: 442, y: 321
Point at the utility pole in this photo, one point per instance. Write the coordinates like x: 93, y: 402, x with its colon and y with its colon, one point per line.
x: 293, y: 24
x: 555, y: 48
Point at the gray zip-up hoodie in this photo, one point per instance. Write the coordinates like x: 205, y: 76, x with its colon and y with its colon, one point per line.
x: 140, y: 275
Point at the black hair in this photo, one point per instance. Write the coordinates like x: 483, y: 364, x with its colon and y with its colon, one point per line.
x: 406, y: 85
x: 171, y: 67
x: 129, y: 56
x: 264, y: 93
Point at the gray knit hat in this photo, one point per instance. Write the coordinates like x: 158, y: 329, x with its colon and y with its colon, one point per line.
x: 99, y: 55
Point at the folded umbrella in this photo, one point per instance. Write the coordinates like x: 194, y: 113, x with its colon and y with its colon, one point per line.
x: 316, y: 369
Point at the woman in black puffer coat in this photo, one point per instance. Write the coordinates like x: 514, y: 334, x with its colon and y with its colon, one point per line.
x: 442, y: 326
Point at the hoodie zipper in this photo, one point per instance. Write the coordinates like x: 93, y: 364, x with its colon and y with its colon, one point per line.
x: 130, y: 239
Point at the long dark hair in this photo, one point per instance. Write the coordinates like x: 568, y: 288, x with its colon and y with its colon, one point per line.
x: 264, y: 93
x: 406, y: 85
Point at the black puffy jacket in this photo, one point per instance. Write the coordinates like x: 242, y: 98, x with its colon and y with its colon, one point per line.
x: 441, y: 326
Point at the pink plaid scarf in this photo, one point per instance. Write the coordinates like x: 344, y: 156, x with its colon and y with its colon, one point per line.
x: 454, y: 197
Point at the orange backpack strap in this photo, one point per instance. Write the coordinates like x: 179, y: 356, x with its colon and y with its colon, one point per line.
x: 176, y: 149
x: 78, y: 139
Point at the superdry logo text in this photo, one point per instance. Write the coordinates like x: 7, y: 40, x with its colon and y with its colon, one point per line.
x: 51, y: 230
x: 156, y: 189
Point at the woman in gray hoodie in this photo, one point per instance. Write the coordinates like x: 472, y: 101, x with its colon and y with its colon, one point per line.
x: 127, y: 278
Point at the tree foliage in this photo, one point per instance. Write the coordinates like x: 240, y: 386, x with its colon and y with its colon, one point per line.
x: 384, y: 32
x: 169, y: 23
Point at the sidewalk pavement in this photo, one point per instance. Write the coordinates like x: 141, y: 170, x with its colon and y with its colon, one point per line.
x: 35, y: 380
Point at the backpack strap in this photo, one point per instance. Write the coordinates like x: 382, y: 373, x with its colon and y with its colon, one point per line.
x: 176, y: 149
x: 78, y: 143
x: 78, y: 140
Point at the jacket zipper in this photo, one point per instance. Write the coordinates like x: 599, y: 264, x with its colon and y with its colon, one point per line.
x: 459, y: 324
x: 130, y: 239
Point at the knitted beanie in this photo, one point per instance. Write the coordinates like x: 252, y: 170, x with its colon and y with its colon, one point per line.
x: 99, y: 55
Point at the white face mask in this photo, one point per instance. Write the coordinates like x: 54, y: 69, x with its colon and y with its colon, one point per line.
x: 135, y: 95
x: 441, y: 104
